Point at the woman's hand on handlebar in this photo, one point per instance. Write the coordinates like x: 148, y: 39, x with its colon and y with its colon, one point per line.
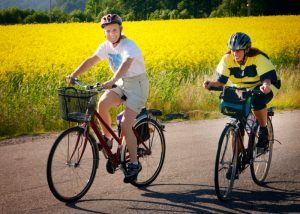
x: 212, y: 84
x: 265, y: 88
x: 206, y: 84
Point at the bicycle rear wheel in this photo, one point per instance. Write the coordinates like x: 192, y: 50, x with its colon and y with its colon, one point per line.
x: 226, y: 163
x: 262, y: 162
x: 151, y: 153
x: 72, y: 164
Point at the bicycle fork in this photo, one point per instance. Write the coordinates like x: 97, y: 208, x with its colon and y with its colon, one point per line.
x: 78, y: 145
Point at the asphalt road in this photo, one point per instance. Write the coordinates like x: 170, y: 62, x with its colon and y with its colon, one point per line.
x: 185, y: 184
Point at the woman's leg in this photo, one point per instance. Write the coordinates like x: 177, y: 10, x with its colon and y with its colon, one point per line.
x: 261, y: 113
x: 260, y: 107
x: 261, y: 116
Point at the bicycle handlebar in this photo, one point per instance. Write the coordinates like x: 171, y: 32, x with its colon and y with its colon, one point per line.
x: 98, y: 86
x: 214, y: 88
x: 222, y: 88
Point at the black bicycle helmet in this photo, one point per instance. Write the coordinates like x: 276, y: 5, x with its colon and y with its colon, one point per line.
x: 110, y: 19
x: 239, y: 41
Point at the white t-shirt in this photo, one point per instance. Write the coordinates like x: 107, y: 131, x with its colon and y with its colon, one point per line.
x: 116, y: 55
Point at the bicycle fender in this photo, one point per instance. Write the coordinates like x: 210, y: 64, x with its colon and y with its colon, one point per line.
x: 142, y: 117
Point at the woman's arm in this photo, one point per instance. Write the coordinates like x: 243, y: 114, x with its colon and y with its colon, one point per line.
x: 207, y: 84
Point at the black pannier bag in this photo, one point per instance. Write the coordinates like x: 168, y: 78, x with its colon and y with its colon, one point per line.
x: 143, y: 130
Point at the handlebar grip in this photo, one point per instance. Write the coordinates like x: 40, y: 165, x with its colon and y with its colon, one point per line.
x: 89, y: 87
x: 213, y: 88
x: 73, y: 80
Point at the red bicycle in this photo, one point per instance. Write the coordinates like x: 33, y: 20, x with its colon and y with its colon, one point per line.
x: 74, y: 156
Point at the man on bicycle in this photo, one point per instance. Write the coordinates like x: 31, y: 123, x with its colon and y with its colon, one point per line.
x: 248, y: 67
x: 131, y: 81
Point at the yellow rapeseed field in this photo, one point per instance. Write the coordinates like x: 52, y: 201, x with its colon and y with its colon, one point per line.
x: 35, y: 58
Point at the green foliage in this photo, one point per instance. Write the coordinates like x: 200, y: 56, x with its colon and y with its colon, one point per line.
x: 77, y: 16
x: 57, y: 15
x: 37, y: 17
x: 131, y: 10
x: 14, y: 15
x: 70, y: 5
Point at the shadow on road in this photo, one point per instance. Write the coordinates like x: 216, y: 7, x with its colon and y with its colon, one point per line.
x: 202, y: 199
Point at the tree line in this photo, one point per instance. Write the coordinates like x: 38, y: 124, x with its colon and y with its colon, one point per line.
x: 133, y: 10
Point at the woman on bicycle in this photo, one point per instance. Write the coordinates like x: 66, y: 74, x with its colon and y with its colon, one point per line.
x: 131, y: 81
x: 248, y: 67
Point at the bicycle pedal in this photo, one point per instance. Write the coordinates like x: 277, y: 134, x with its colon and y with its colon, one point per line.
x: 261, y: 151
x: 141, y: 152
x: 109, y: 167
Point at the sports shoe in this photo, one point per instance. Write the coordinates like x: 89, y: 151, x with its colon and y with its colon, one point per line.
x: 132, y: 172
x: 262, y: 138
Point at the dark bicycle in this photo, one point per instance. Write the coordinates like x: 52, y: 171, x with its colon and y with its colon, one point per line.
x: 237, y: 144
x: 74, y: 156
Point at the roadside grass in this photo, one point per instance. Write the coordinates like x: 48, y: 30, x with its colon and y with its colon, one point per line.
x: 33, y: 108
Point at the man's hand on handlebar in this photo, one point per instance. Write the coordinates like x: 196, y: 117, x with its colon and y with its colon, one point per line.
x: 109, y: 84
x: 70, y: 79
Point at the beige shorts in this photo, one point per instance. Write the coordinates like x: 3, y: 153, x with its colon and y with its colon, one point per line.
x: 136, y: 90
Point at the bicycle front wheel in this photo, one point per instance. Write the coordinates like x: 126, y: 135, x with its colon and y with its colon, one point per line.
x: 151, y: 152
x: 226, y: 163
x: 72, y: 164
x: 262, y: 162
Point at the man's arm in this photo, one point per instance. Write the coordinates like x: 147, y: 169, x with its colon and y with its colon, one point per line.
x: 120, y: 73
x: 84, y: 66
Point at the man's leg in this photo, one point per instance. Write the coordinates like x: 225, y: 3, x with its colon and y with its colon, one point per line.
x: 108, y: 100
x: 130, y: 139
x: 134, y: 167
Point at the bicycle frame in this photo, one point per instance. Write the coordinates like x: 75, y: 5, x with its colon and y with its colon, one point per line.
x: 247, y: 152
x: 240, y: 123
x: 114, y: 158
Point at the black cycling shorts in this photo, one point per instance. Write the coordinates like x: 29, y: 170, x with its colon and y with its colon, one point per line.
x: 259, y: 101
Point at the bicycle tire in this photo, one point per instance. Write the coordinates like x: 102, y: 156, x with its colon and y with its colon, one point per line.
x: 151, y: 159
x: 68, y: 180
x: 261, y: 164
x: 226, y: 157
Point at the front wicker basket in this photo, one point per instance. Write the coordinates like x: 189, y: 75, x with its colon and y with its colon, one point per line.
x: 75, y: 104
